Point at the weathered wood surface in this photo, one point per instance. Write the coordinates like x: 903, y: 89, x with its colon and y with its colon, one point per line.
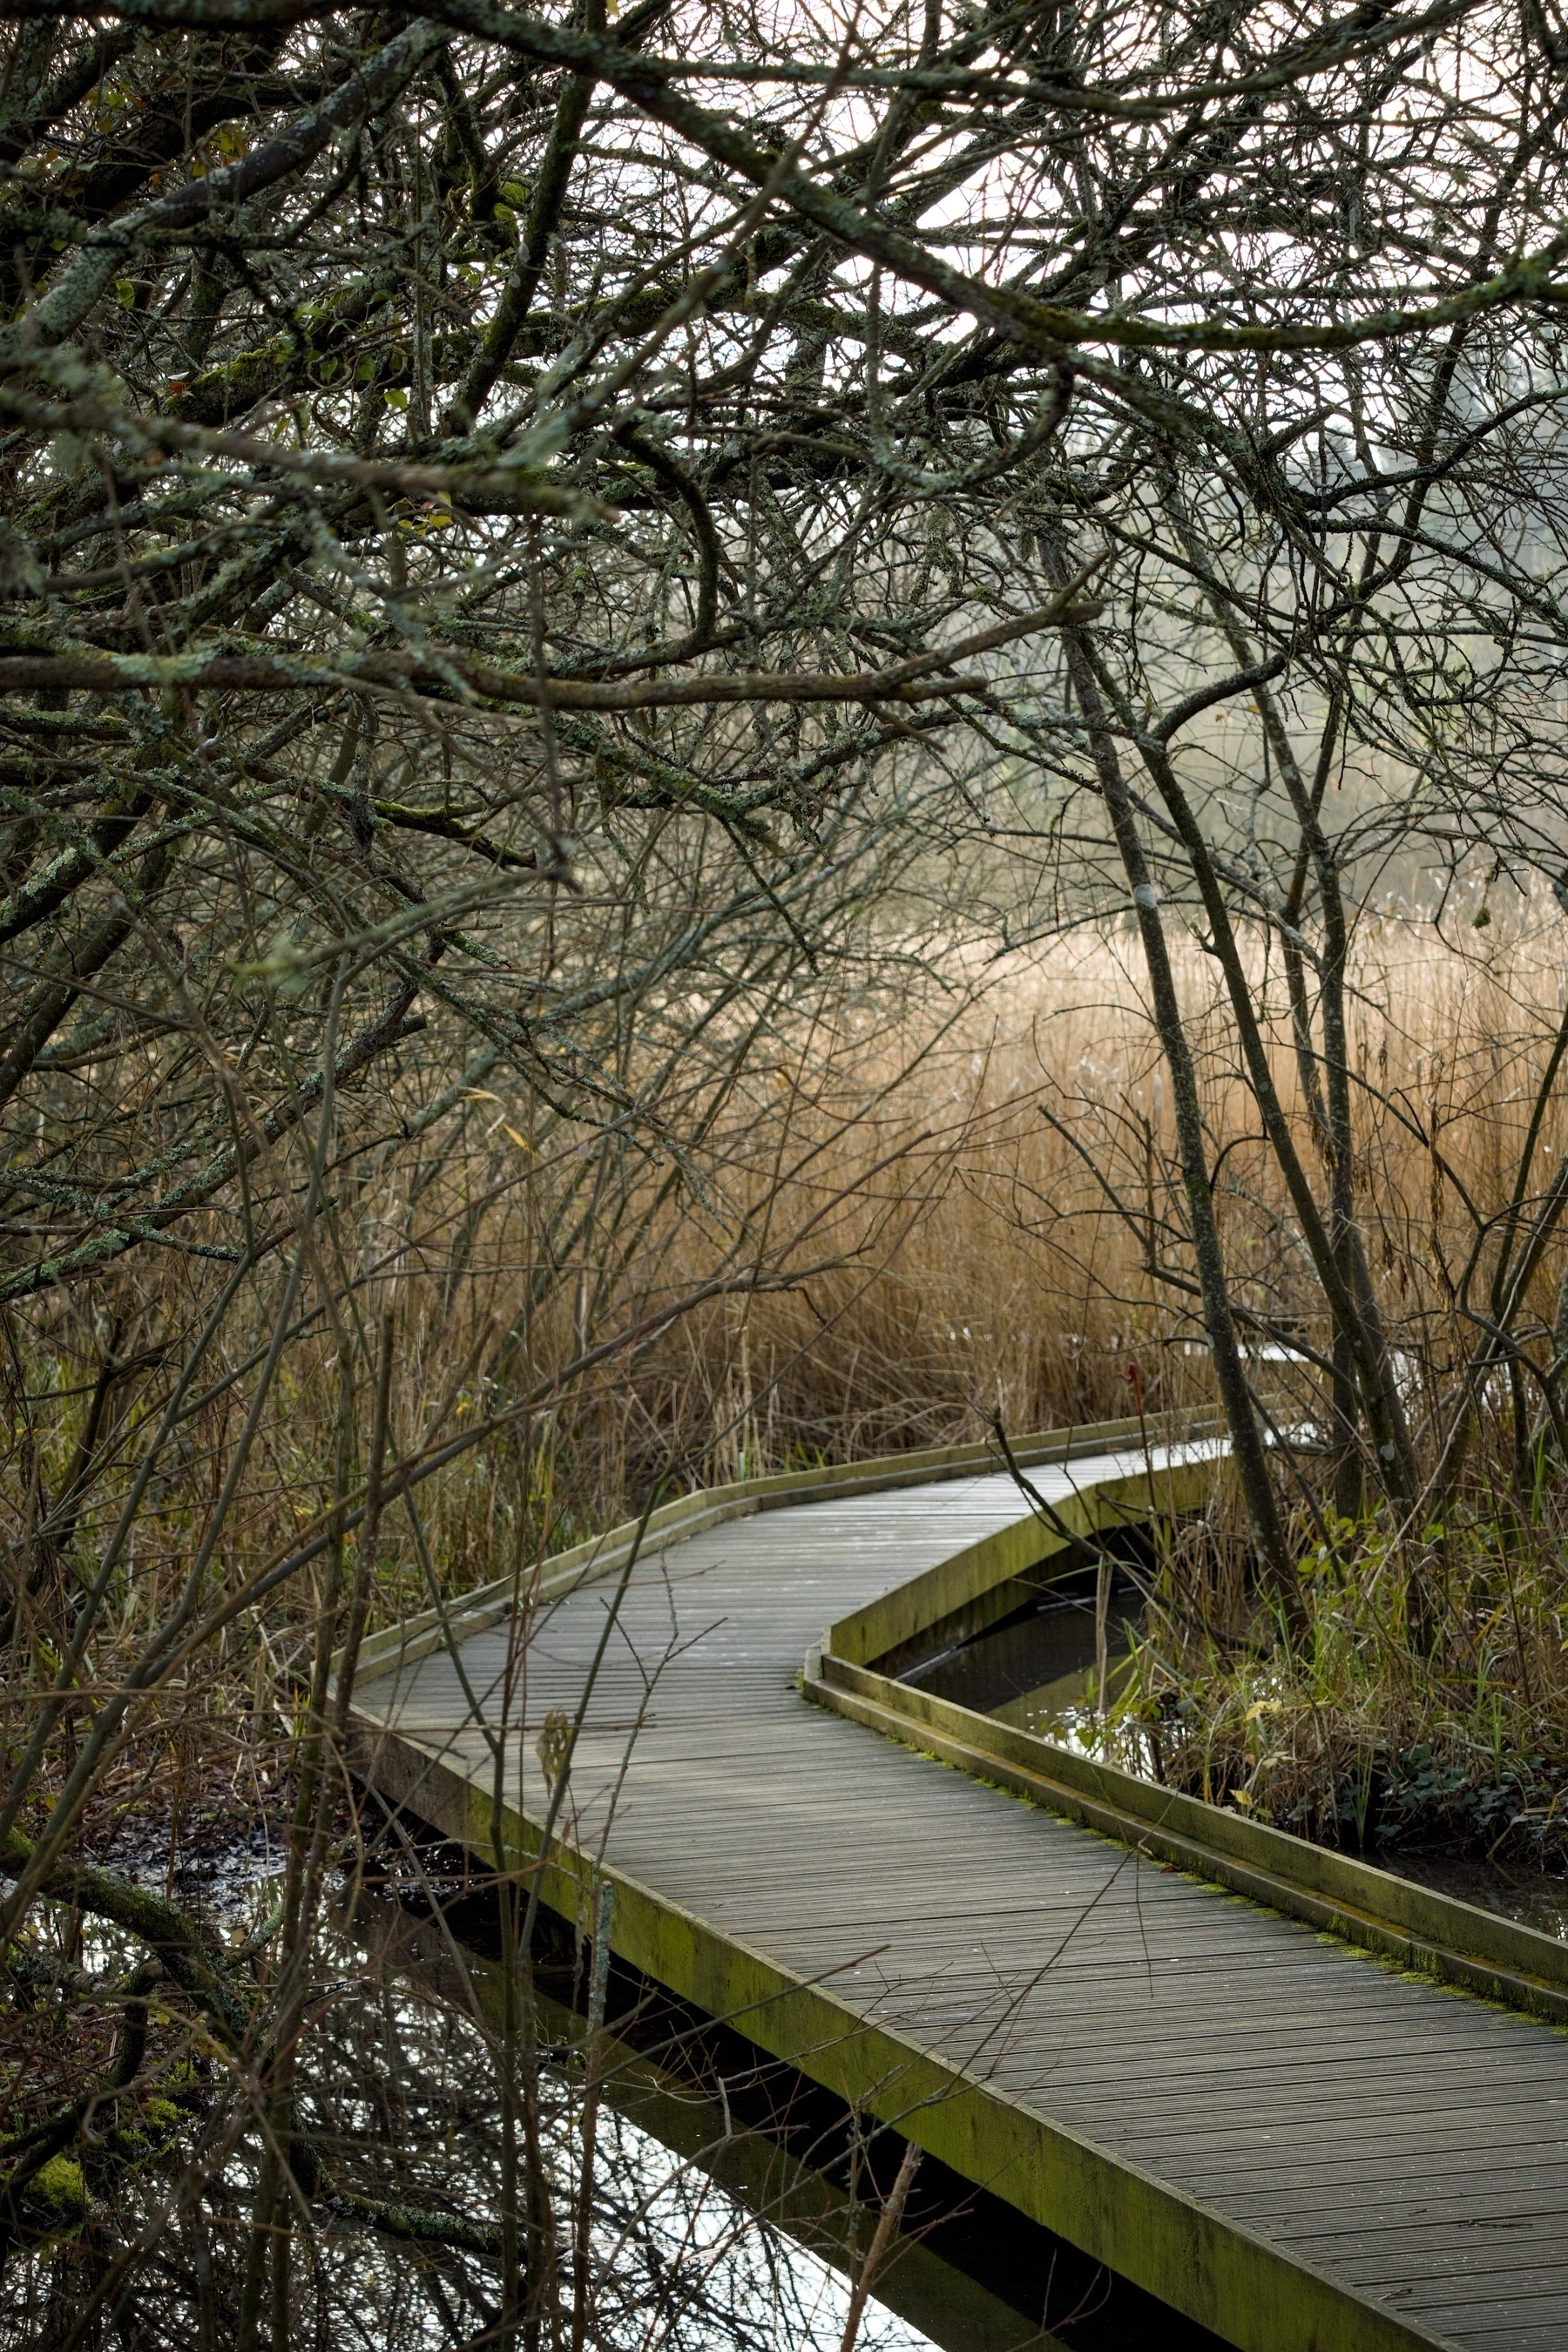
x: 1404, y: 2146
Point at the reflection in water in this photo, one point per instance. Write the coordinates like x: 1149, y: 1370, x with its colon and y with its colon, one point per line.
x: 692, y: 2245
x: 1036, y: 1668
x: 706, y: 2234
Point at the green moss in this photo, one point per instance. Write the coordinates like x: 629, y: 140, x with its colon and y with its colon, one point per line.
x: 140, y: 2142
x: 59, y: 2190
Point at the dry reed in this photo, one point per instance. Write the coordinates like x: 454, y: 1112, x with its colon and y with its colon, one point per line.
x: 957, y: 1218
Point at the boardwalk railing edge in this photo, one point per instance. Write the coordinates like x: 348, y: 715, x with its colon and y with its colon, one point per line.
x: 1215, y: 2270
x: 1438, y: 1936
x: 987, y: 1580
x: 451, y: 1622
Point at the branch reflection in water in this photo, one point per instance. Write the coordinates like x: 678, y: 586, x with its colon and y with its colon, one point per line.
x: 702, y: 2232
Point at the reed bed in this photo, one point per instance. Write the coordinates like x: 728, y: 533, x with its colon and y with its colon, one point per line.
x: 956, y: 1216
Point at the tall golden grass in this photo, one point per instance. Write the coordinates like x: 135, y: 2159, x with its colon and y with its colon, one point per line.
x: 927, y: 1221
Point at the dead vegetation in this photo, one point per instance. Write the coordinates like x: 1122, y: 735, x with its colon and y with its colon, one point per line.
x: 726, y: 741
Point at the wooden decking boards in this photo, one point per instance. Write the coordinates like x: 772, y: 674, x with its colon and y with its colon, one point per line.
x: 1278, y: 2134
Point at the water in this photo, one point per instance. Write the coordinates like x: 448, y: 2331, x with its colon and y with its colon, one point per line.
x: 698, y: 2239
x: 1537, y: 1898
x: 1035, y: 1669
x: 733, y: 2201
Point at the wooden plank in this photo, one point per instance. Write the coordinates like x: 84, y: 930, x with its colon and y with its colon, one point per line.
x: 1210, y: 2058
x: 1520, y: 2335
x: 689, y: 1514
x: 1454, y: 2251
x: 1222, y: 2273
x: 1516, y: 2175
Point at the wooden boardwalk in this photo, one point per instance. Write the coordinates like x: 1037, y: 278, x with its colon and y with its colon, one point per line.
x: 1292, y: 2143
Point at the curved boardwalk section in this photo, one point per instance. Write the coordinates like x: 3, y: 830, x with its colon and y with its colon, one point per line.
x: 1286, y: 2139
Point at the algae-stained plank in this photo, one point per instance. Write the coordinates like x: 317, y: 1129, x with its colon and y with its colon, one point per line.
x: 1449, y: 1940
x: 1136, y: 2059
x: 1218, y: 2271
